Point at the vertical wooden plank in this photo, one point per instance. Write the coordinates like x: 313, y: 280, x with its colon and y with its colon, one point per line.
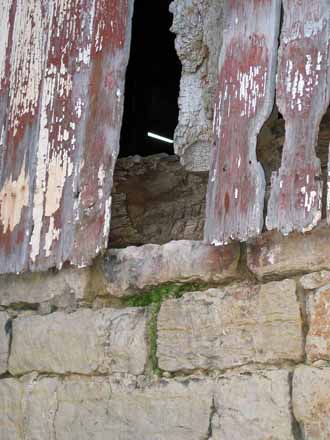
x: 62, y: 69
x: 244, y: 100
x: 303, y: 96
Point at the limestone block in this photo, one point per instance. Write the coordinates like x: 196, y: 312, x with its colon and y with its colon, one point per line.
x: 97, y: 410
x: 40, y: 404
x: 273, y: 254
x: 11, y: 415
x: 83, y: 342
x: 135, y: 268
x: 36, y: 288
x: 311, y: 403
x: 253, y: 407
x: 225, y: 328
x: 4, y: 341
x: 318, y: 337
x: 315, y: 280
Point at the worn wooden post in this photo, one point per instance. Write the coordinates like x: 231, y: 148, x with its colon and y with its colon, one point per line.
x: 303, y: 98
x: 244, y: 100
x: 62, y: 68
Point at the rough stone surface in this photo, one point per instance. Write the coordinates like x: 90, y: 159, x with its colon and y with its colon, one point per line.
x: 198, y: 25
x: 11, y: 416
x: 168, y: 411
x: 220, y: 329
x: 83, y: 342
x: 5, y: 330
x: 33, y: 288
x: 253, y: 407
x: 155, y: 200
x: 100, y: 408
x: 311, y: 403
x: 315, y: 280
x: 275, y: 255
x: 132, y: 269
x: 318, y: 337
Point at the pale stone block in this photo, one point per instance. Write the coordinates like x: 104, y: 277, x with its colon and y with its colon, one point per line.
x: 86, y: 342
x: 11, y: 414
x: 225, y: 328
x: 318, y: 337
x: 134, y: 269
x: 311, y: 403
x: 273, y: 254
x: 315, y: 280
x: 98, y: 410
x: 34, y: 288
x: 253, y: 407
x: 5, y: 330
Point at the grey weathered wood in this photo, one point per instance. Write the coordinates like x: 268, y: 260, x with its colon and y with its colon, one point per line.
x: 62, y: 69
x: 302, y: 97
x: 244, y: 100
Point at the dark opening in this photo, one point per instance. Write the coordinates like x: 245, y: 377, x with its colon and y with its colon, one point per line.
x: 322, y: 152
x: 152, y: 81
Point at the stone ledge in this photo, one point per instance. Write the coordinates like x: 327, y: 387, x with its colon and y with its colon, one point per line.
x: 62, y: 287
x: 84, y: 342
x: 230, y: 327
x: 272, y: 254
x: 133, y: 269
x: 311, y: 404
x: 253, y: 407
x: 4, y: 341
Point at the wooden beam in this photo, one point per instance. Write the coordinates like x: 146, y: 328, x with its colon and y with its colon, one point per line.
x: 244, y: 101
x: 303, y: 97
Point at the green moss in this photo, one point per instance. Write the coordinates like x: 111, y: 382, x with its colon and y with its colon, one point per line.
x: 162, y: 292
x: 152, y: 336
x: 153, y: 300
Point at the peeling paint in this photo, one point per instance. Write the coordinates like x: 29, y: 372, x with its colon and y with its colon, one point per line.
x: 303, y: 97
x: 59, y: 137
x: 14, y: 197
x: 243, y: 102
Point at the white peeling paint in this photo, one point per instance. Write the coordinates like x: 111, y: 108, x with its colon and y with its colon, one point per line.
x: 14, y: 196
x: 50, y: 236
x: 216, y: 243
x: 5, y: 27
x: 107, y: 218
x: 310, y: 200
x: 27, y: 61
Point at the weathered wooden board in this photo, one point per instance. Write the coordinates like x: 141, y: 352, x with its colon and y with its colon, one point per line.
x: 244, y: 100
x: 302, y: 97
x: 62, y: 69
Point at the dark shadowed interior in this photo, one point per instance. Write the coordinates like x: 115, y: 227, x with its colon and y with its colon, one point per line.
x: 152, y: 81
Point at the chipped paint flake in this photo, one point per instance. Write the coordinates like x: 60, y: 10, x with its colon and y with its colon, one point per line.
x: 14, y: 197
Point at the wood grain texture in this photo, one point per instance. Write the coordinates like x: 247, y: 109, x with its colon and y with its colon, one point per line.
x: 62, y: 68
x: 244, y: 100
x: 302, y: 96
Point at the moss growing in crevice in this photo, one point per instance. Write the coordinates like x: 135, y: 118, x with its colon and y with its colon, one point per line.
x: 153, y: 300
x: 152, y: 337
x: 162, y: 292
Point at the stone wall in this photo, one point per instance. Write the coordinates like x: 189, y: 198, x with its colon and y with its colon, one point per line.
x: 174, y: 341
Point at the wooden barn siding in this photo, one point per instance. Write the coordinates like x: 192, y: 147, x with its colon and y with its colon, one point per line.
x: 302, y: 93
x: 246, y: 96
x: 244, y: 100
x: 62, y: 70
